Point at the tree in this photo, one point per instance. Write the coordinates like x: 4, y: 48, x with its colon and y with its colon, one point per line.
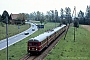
x: 42, y: 18
x: 0, y: 18
x: 62, y: 13
x: 62, y: 17
x: 87, y: 17
x: 5, y: 13
x: 68, y: 15
x: 52, y: 12
x: 88, y: 12
x: 27, y: 17
x: 56, y: 16
x: 38, y: 16
x: 76, y: 23
x: 49, y: 16
x: 32, y: 16
x: 10, y: 17
x: 81, y: 17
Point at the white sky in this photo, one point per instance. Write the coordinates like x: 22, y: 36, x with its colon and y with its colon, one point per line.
x: 28, y: 6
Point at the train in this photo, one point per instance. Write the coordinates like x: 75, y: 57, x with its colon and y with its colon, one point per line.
x: 37, y: 44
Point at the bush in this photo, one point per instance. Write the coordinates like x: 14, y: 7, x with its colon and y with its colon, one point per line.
x: 2, y: 24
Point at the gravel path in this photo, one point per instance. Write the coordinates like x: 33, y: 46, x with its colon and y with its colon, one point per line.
x: 87, y: 27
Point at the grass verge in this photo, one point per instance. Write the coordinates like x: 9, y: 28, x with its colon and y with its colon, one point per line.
x: 19, y: 49
x: 70, y: 50
x: 12, y: 30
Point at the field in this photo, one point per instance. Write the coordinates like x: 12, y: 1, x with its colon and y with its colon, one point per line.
x: 19, y: 49
x: 12, y: 30
x: 70, y: 50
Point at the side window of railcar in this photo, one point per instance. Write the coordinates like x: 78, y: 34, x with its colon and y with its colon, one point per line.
x: 43, y: 41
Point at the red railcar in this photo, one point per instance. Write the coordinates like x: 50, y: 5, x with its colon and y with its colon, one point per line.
x: 37, y: 44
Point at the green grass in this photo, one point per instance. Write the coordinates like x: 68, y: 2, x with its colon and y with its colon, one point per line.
x: 19, y: 49
x: 70, y: 50
x: 12, y: 30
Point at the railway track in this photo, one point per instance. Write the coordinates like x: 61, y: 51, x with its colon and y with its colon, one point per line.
x: 25, y: 57
x: 45, y: 52
x: 28, y: 57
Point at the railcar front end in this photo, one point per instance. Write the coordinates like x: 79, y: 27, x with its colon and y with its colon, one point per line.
x: 33, y: 47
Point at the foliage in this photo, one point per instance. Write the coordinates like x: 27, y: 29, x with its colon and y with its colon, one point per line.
x: 2, y: 24
x: 12, y: 30
x: 87, y: 17
x: 76, y: 23
x: 84, y: 19
x: 0, y: 18
x: 56, y: 16
x: 62, y: 13
x: 27, y: 16
x: 52, y: 16
x: 64, y: 21
x: 38, y: 16
x: 42, y: 18
x: 81, y: 17
x: 32, y: 16
x: 5, y: 13
x: 65, y: 18
x: 48, y: 16
x: 68, y: 15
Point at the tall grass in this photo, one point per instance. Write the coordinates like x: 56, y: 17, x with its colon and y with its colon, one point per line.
x: 12, y: 30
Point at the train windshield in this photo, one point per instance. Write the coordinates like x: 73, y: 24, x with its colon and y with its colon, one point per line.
x: 30, y: 44
x: 34, y: 43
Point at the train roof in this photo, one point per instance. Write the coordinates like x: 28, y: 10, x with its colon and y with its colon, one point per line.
x: 44, y: 35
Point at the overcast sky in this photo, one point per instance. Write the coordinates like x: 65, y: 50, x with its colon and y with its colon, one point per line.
x: 28, y: 6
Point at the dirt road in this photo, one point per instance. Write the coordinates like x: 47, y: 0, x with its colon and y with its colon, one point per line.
x: 87, y: 27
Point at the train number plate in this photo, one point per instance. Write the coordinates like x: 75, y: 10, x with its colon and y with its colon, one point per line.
x: 32, y: 48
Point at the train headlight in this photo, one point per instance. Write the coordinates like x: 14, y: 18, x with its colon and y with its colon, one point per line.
x: 29, y: 49
x: 36, y: 49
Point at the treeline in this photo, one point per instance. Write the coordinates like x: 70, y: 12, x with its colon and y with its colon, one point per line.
x: 84, y: 18
x: 53, y: 16
x: 64, y: 17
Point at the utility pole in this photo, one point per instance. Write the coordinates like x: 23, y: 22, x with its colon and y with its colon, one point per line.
x: 74, y: 20
x: 7, y: 35
x: 55, y: 17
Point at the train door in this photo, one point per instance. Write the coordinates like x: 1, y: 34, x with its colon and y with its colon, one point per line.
x: 55, y: 35
x: 47, y: 42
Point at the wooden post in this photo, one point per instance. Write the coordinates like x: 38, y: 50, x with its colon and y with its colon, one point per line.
x: 7, y: 35
x: 74, y: 34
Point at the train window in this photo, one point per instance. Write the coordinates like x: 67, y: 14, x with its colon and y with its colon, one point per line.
x: 35, y: 44
x: 30, y: 44
x: 39, y: 43
x: 43, y: 41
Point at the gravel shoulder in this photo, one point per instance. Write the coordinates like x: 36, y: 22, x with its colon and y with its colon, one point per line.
x: 87, y: 27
